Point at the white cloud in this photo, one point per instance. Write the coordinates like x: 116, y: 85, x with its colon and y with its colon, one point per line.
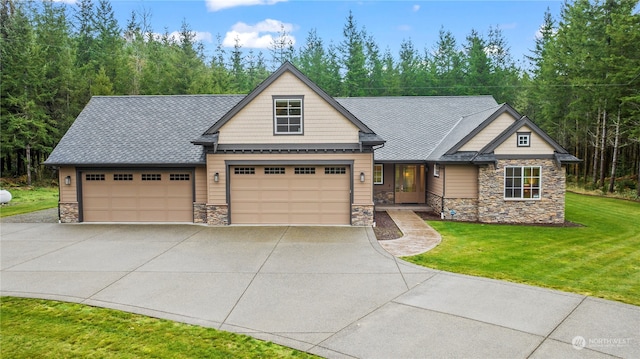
x: 216, y: 5
x: 258, y: 36
x: 404, y: 27
x: 415, y: 8
x: 200, y: 36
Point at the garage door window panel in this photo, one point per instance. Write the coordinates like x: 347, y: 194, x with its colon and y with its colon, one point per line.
x: 123, y: 176
x: 151, y: 177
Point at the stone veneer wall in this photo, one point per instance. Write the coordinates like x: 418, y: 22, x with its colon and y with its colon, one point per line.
x: 199, y: 213
x: 217, y: 214
x: 435, y: 202
x: 466, y: 209
x: 362, y: 215
x: 493, y: 208
x: 383, y: 197
x: 69, y: 212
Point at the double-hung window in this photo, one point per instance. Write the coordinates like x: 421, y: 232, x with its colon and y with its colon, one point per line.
x: 522, y: 182
x: 287, y: 113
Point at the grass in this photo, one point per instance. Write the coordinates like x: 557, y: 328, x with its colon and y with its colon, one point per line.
x: 27, y: 200
x: 601, y: 258
x: 34, y: 328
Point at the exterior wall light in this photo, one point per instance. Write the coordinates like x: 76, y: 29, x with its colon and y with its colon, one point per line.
x: 216, y: 177
x: 361, y: 176
x: 67, y: 180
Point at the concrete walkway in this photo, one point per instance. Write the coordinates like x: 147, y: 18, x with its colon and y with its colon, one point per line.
x: 331, y: 291
x: 418, y: 237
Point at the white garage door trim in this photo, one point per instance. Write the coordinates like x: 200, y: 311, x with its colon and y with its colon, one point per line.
x: 136, y: 195
x: 290, y: 165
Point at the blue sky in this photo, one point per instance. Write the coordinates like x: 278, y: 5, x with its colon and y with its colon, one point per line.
x: 256, y: 22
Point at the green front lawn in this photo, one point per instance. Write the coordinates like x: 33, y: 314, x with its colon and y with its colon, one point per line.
x: 34, y: 328
x: 600, y: 259
x: 27, y: 200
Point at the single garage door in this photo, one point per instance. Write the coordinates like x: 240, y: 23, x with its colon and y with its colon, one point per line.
x: 150, y: 196
x: 290, y: 195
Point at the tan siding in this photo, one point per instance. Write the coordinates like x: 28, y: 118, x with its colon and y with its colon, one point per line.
x: 322, y: 123
x: 201, y: 185
x: 489, y: 133
x: 435, y: 184
x: 68, y: 193
x: 537, y: 145
x: 363, y: 162
x: 387, y: 178
x: 461, y: 182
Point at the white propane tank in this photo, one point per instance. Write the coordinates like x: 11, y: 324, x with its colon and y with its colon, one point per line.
x: 5, y: 196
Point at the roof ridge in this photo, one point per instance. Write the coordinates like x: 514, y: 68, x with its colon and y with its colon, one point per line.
x: 486, y: 109
x: 413, y: 97
x: 150, y: 96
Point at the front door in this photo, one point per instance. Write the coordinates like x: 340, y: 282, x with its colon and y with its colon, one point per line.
x: 409, y: 183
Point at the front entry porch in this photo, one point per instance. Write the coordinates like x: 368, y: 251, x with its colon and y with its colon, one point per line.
x: 400, y: 184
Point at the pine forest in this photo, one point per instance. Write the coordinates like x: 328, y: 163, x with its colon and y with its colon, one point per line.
x: 580, y: 82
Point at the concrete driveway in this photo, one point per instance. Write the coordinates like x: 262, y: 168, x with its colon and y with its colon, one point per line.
x: 331, y: 291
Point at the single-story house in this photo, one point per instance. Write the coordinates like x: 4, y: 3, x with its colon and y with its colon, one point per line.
x: 288, y: 153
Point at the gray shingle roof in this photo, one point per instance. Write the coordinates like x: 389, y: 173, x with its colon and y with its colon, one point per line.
x: 141, y: 130
x: 162, y: 130
x: 413, y: 126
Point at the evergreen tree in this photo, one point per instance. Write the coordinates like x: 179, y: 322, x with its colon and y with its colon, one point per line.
x: 353, y: 59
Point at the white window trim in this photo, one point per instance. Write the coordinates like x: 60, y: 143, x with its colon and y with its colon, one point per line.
x: 522, y: 187
x: 523, y: 135
x: 275, y: 116
x: 381, y: 166
x: 436, y: 170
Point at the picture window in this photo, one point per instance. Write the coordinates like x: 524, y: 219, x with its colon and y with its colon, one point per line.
x: 522, y: 182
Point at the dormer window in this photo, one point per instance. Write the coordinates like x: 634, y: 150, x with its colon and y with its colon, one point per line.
x: 287, y: 113
x: 524, y: 139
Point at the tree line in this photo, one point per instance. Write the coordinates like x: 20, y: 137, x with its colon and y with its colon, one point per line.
x: 54, y: 59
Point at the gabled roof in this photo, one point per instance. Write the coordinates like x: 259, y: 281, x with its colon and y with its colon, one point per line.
x: 468, y: 135
x: 524, y: 121
x: 140, y: 130
x: 414, y: 126
x: 286, y: 67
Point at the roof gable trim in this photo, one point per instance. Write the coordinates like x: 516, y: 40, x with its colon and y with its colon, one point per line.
x: 504, y: 108
x: 286, y: 67
x: 524, y: 121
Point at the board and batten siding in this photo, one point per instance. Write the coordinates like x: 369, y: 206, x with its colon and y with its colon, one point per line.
x: 321, y: 122
x: 537, y: 145
x: 362, y: 162
x: 68, y: 193
x: 461, y: 182
x: 200, y: 185
x: 488, y: 133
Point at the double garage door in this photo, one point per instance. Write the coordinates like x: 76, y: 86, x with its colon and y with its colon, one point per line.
x: 137, y: 196
x: 290, y: 194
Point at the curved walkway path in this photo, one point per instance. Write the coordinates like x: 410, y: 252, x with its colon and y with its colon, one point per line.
x: 332, y: 291
x: 418, y: 237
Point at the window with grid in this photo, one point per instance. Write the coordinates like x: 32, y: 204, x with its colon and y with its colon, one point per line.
x: 524, y: 139
x: 151, y: 177
x: 274, y: 170
x: 335, y: 170
x: 522, y: 182
x: 304, y: 170
x: 178, y: 177
x: 378, y: 174
x: 287, y: 116
x: 94, y: 177
x: 244, y: 170
x: 123, y: 177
